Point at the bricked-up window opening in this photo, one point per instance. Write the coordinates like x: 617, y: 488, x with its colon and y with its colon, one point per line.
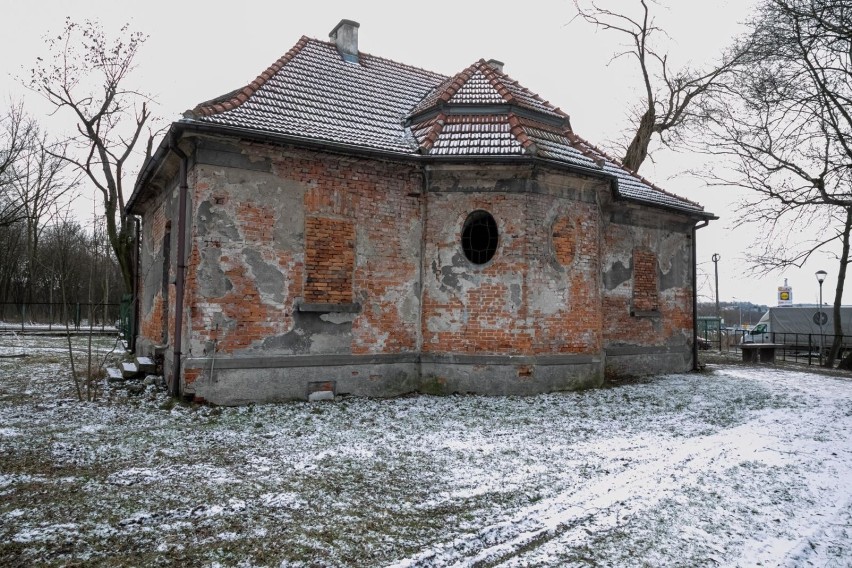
x: 479, y: 237
x: 329, y: 260
x: 645, y: 293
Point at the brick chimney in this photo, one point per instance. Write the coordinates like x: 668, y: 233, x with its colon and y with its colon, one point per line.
x: 345, y: 36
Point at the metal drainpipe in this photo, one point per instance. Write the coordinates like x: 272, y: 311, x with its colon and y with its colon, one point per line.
x: 426, y: 178
x: 181, y: 266
x: 134, y: 329
x: 695, y: 293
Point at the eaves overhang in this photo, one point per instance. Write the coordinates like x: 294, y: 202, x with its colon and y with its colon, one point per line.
x: 450, y: 109
x: 182, y: 128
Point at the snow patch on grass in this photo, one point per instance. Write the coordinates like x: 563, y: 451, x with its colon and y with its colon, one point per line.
x: 741, y: 466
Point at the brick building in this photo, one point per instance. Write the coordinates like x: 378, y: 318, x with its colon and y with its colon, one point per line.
x: 347, y: 223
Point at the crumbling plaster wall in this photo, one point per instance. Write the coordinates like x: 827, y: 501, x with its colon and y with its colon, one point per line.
x: 639, y: 340
x: 556, y: 297
x: 247, y: 270
x: 156, y: 304
x: 539, y: 294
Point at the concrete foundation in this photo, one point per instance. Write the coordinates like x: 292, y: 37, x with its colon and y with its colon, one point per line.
x: 236, y: 381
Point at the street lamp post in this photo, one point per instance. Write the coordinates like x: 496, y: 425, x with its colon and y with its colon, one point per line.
x: 716, y: 259
x: 820, y: 276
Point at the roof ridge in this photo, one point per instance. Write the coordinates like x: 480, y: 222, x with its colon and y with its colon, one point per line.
x: 490, y: 73
x: 379, y: 57
x: 239, y: 96
x: 632, y: 173
x: 457, y: 82
x: 235, y: 98
x: 517, y: 130
x: 498, y: 74
x: 435, y: 128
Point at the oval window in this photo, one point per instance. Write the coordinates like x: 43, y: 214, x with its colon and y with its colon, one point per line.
x: 479, y: 237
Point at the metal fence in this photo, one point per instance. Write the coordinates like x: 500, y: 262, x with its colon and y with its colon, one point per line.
x: 47, y: 316
x: 798, y: 347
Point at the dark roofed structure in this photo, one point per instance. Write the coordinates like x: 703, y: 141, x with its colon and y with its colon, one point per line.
x: 478, y: 136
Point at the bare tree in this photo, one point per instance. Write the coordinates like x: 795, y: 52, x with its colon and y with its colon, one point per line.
x: 87, y: 73
x: 785, y: 119
x: 671, y: 96
x: 16, y: 136
x: 41, y: 182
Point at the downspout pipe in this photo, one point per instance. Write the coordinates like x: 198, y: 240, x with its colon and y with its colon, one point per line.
x: 180, y: 279
x: 695, y: 228
x: 425, y: 184
x: 134, y: 324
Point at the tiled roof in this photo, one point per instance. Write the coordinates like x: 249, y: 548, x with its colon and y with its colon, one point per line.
x: 481, y: 84
x: 463, y: 135
x: 312, y: 93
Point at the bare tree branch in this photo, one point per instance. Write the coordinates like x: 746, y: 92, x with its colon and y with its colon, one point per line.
x: 783, y: 119
x: 670, y: 95
x: 87, y: 73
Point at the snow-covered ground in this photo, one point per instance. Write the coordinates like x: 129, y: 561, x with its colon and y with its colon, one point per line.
x: 741, y: 466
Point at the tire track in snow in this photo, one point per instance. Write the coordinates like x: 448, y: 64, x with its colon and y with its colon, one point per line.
x: 600, y: 505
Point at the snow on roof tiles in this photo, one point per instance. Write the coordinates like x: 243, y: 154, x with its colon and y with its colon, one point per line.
x: 376, y: 103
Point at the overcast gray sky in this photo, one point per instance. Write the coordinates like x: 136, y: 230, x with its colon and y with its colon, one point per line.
x: 199, y: 50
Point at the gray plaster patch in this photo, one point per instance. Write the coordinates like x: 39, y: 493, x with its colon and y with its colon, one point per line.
x: 313, y: 333
x: 288, y: 199
x: 212, y: 280
x: 516, y: 295
x: 409, y: 309
x: 338, y: 318
x: 214, y: 223
x: 617, y: 275
x: 322, y: 343
x: 679, y: 270
x: 229, y: 156
x: 295, y: 342
x: 451, y: 275
x: 448, y: 278
x: 511, y: 185
x: 269, y: 279
x: 548, y: 300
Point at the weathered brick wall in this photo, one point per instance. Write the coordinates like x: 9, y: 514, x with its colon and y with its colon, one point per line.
x: 470, y: 308
x: 151, y: 301
x: 540, y: 292
x: 569, y: 321
x: 329, y: 260
x: 647, y: 292
x: 377, y: 199
x: 302, y: 227
x: 273, y: 229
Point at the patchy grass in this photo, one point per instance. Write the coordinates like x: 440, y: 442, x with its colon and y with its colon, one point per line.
x: 736, y: 467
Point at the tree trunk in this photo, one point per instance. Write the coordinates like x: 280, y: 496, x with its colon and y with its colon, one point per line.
x: 838, y: 293
x: 120, y: 235
x: 637, y: 151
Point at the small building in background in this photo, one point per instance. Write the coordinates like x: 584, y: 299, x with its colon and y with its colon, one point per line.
x: 347, y: 224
